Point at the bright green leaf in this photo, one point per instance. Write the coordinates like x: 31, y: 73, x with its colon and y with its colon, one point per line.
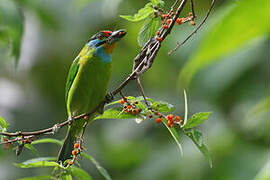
x: 196, y: 137
x: 100, y: 168
x: 79, y: 173
x: 197, y: 119
x: 66, y: 177
x: 157, y: 2
x: 264, y: 173
x: 3, y: 123
x: 132, y: 98
x: 141, y: 14
x: 38, y: 162
x: 12, y: 25
x: 116, y: 113
x: 37, y: 178
x: 175, y: 136
x: 32, y: 148
x: 48, y: 140
x: 148, y: 30
x: 162, y: 107
x: 245, y: 22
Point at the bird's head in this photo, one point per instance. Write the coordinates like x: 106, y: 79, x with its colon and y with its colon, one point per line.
x: 106, y: 39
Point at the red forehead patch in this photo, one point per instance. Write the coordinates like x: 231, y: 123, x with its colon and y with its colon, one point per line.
x: 107, y: 33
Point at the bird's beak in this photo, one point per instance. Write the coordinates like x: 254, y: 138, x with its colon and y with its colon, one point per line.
x: 116, y: 36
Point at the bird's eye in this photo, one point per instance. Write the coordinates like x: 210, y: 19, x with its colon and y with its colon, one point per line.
x: 100, y: 36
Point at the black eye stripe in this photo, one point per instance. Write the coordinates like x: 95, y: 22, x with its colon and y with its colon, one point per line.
x: 100, y: 43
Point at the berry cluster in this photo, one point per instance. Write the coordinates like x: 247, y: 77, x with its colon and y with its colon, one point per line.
x: 173, y: 119
x: 130, y: 107
x: 75, y: 152
x: 166, y: 21
x: 156, y: 113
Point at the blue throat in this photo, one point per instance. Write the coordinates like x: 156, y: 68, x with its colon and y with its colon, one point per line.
x: 100, y: 51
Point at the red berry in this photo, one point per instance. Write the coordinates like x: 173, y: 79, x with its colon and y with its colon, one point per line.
x: 150, y: 116
x: 85, y: 118
x: 69, y: 162
x: 169, y: 117
x: 165, y: 26
x: 129, y: 106
x: 192, y: 23
x: 125, y: 110
x: 170, y: 123
x: 74, y: 152
x: 169, y: 21
x: 158, y: 120
x: 179, y: 21
x: 157, y: 33
x: 164, y: 16
x: 76, y: 145
x: 122, y: 101
x: 136, y: 111
x: 177, y: 118
x: 159, y: 39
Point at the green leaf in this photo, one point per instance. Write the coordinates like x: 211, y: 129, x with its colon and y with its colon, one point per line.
x: 32, y: 148
x: 79, y: 173
x: 115, y: 113
x: 196, y: 137
x: 148, y: 30
x: 100, y: 168
x: 48, y: 140
x: 231, y: 32
x: 162, y: 107
x: 264, y: 173
x: 197, y: 119
x: 142, y: 14
x: 157, y: 2
x: 37, y: 178
x: 3, y: 123
x: 12, y: 25
x: 175, y: 136
x: 132, y: 98
x: 66, y: 177
x: 38, y: 162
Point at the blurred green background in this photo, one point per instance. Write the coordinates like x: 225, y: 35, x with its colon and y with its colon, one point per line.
x: 234, y: 86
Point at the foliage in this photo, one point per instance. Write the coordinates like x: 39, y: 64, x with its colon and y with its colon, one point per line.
x: 11, y: 31
x: 151, y: 23
x: 244, y: 22
x: 240, y: 103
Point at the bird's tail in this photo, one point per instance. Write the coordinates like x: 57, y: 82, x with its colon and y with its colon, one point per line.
x: 66, y: 149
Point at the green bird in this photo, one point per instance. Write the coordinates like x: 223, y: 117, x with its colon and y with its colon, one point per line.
x: 87, y: 83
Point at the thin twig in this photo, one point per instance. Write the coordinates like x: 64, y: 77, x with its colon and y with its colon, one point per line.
x: 142, y: 92
x: 195, y: 31
x: 52, y: 129
x: 142, y: 62
x: 174, y: 4
x: 192, y: 9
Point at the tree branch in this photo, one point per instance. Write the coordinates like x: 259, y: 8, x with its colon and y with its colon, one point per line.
x: 195, y: 31
x: 142, y: 62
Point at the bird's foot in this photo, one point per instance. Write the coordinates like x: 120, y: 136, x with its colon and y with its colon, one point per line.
x: 70, y: 120
x: 109, y: 97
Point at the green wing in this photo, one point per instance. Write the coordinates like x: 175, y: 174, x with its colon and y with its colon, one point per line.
x: 85, y: 54
x: 71, y: 75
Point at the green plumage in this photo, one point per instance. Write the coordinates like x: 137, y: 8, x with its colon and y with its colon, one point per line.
x: 86, y: 87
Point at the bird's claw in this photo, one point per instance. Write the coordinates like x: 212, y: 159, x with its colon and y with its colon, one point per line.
x: 109, y: 97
